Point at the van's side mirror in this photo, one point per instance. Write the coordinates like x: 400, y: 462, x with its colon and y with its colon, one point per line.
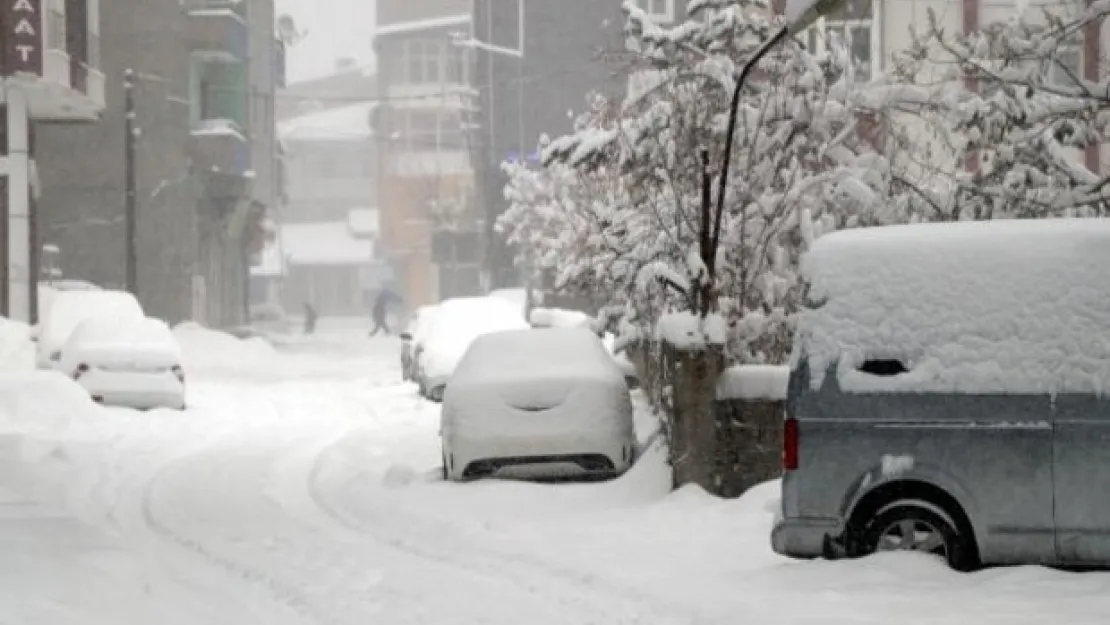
x: 406, y: 336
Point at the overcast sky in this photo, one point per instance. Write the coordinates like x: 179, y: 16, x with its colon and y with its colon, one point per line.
x: 336, y: 28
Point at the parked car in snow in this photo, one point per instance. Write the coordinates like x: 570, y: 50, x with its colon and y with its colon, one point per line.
x: 947, y: 395
x: 63, y: 311
x: 411, y: 340
x: 454, y: 327
x: 537, y: 403
x: 134, y: 363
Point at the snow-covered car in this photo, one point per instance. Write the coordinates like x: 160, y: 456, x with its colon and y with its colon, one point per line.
x: 134, y: 363
x: 65, y: 310
x: 456, y: 324
x: 411, y: 339
x: 558, y: 318
x: 537, y: 403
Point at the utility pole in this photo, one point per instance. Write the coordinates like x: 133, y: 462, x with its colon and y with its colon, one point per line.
x: 130, y: 207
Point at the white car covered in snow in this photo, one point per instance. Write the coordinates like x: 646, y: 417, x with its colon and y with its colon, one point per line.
x: 412, y: 339
x: 457, y: 323
x: 134, y: 363
x: 63, y: 311
x: 537, y: 403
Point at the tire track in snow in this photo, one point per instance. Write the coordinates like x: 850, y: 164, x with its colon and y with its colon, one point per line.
x: 582, y: 593
x: 282, y: 595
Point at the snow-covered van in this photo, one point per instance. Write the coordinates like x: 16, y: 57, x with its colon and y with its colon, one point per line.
x: 946, y: 395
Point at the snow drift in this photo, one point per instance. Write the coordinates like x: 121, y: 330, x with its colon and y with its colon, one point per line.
x: 212, y: 351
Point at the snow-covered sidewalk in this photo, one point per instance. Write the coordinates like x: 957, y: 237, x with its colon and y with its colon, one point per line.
x: 301, y: 487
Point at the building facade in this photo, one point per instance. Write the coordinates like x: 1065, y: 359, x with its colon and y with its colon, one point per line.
x: 206, y: 158
x: 50, y: 69
x: 569, y: 49
x: 325, y: 252
x: 431, y: 221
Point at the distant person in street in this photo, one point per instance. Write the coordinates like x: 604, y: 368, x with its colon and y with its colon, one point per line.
x: 310, y: 318
x: 380, y: 311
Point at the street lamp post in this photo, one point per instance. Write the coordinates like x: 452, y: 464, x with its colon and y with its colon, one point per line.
x: 518, y: 53
x: 799, y: 14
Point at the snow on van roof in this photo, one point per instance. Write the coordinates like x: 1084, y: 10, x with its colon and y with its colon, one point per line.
x: 979, y: 307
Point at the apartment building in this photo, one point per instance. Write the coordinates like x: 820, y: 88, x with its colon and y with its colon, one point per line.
x: 207, y: 172
x: 326, y: 249
x: 431, y: 223
x: 536, y: 61
x: 51, y: 72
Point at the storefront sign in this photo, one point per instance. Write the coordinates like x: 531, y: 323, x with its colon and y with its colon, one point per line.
x: 23, y: 37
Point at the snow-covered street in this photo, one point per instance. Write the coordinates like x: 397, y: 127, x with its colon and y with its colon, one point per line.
x: 302, y: 487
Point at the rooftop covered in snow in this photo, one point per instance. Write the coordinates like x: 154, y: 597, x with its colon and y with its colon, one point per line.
x: 350, y: 122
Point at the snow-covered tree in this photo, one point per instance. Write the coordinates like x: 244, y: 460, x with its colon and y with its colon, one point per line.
x: 1024, y: 115
x: 628, y: 201
x: 801, y: 164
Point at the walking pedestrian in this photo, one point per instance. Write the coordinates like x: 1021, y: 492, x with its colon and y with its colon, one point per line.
x: 380, y: 311
x: 310, y: 317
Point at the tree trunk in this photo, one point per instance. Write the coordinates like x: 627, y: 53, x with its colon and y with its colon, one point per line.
x: 692, y: 377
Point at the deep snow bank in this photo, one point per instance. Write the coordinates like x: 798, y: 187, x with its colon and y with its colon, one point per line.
x: 211, y: 351
x: 17, y: 351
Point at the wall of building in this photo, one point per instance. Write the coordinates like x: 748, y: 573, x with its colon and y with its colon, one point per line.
x: 263, y: 123
x: 328, y: 178
x: 347, y: 86
x: 82, y: 173
x: 333, y: 291
x: 571, y: 48
x: 427, y: 160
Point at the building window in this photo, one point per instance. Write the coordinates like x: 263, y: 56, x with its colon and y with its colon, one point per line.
x: 434, y: 62
x: 430, y: 130
x: 1065, y: 69
x: 658, y: 10
x: 853, y: 25
x: 217, y: 90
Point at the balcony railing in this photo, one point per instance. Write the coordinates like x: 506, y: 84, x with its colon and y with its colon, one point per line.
x: 218, y: 27
x: 219, y: 145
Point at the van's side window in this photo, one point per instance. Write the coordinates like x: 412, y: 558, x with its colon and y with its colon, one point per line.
x: 885, y: 367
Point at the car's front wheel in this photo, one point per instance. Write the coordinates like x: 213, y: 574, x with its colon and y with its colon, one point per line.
x: 904, y: 526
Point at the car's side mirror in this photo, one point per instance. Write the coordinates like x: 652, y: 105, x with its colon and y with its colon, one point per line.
x: 406, y: 336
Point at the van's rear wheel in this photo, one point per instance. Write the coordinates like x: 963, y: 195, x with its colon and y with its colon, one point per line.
x: 909, y: 527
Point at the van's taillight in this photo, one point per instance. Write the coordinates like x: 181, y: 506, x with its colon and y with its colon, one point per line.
x: 790, y: 444
x: 179, y: 372
x: 81, y: 370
